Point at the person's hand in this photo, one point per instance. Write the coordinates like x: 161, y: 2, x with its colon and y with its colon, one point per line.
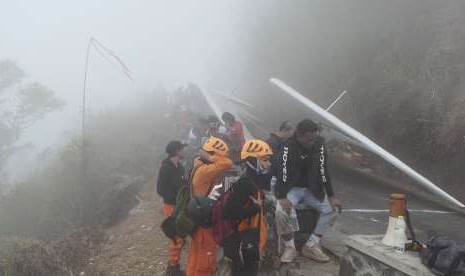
x: 335, y: 203
x: 206, y: 156
x: 260, y: 200
x: 286, y: 204
x: 257, y: 201
x: 215, y: 192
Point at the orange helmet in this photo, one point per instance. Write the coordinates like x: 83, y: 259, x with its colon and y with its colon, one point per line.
x: 256, y: 149
x: 216, y: 145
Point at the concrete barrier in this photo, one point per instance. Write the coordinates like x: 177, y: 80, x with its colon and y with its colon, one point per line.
x: 366, y: 255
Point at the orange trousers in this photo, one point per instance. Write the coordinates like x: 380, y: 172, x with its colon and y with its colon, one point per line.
x: 175, y: 247
x: 201, y: 260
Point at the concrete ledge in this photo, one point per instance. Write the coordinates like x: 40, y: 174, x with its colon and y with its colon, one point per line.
x: 366, y: 255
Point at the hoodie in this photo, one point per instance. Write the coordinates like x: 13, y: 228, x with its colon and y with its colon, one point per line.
x: 170, y: 179
x: 303, y: 167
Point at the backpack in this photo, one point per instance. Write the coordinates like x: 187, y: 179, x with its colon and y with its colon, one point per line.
x: 222, y: 228
x: 443, y: 255
x: 183, y: 224
x: 200, y: 209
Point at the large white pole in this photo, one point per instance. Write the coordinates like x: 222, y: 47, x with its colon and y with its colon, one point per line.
x: 216, y: 109
x: 370, y: 144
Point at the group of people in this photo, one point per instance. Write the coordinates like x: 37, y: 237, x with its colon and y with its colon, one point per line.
x: 231, y: 132
x: 294, y: 156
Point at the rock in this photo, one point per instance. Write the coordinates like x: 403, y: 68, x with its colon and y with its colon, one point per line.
x: 334, y: 241
x: 120, y: 199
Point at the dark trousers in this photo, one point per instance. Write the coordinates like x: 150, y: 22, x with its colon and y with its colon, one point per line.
x: 243, y: 250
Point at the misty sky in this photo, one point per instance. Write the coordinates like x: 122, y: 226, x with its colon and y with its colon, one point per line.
x: 162, y: 42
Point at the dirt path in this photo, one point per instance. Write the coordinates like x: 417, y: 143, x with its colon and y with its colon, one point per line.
x: 136, y: 246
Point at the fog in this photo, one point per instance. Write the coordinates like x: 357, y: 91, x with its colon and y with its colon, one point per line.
x: 164, y: 43
x: 401, y: 62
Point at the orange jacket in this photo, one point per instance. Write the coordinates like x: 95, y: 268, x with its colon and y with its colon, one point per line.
x: 208, y: 174
x: 257, y: 221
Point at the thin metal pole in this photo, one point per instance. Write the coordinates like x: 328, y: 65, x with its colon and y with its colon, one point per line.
x: 98, y: 47
x: 335, y: 101
x: 83, y: 131
x: 89, y: 44
x: 235, y: 99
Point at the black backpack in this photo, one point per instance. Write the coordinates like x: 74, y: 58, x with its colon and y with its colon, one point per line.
x: 443, y: 255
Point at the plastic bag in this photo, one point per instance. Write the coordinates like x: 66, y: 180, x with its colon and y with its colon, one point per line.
x: 294, y: 220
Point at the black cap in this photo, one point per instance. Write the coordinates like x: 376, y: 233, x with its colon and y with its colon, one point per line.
x: 212, y: 119
x: 173, y: 147
x: 228, y: 117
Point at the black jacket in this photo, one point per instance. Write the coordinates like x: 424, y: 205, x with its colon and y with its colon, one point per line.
x: 275, y: 142
x: 170, y: 179
x: 302, y: 167
x: 241, y: 206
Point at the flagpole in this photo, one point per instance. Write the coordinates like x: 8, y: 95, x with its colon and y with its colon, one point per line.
x: 98, y: 47
x: 89, y: 44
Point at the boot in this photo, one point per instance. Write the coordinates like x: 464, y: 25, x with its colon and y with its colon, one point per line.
x: 174, y: 270
x: 315, y: 253
x: 289, y: 255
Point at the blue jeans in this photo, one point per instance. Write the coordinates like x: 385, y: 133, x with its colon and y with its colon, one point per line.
x: 298, y: 195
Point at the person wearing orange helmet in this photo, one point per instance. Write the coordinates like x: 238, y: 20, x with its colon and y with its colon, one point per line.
x: 244, y: 248
x: 214, y: 161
